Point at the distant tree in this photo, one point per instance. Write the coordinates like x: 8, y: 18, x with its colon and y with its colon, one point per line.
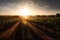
x: 38, y: 15
x: 58, y: 14
x: 53, y: 15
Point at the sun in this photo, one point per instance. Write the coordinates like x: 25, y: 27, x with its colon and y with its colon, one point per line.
x: 25, y: 12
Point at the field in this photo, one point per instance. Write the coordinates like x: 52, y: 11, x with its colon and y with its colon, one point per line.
x: 34, y: 28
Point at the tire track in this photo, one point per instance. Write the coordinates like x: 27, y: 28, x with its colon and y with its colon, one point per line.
x: 8, y: 32
x: 39, y: 32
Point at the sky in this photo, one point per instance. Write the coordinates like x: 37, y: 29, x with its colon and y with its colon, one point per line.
x: 38, y: 7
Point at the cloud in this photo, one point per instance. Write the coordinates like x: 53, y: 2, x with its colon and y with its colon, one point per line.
x: 6, y: 2
x: 49, y: 4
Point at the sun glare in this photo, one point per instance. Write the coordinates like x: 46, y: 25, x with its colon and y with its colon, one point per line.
x: 25, y: 12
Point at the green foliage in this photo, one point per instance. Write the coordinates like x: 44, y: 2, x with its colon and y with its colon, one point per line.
x: 7, y: 19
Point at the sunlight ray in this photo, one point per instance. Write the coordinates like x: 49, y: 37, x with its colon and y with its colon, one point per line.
x: 48, y: 29
x: 8, y: 32
x: 41, y: 33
